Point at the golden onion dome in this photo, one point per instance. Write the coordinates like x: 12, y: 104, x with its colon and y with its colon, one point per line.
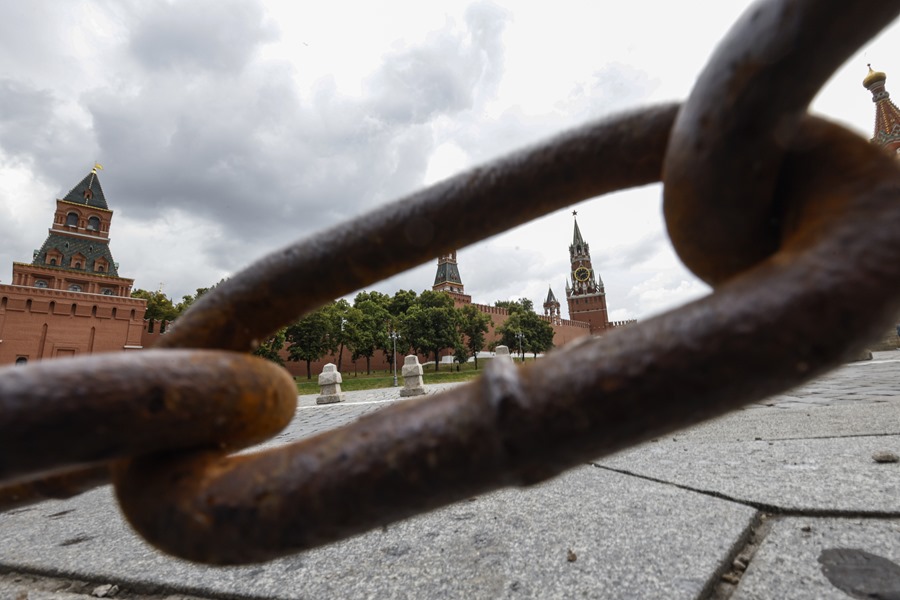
x: 873, y: 77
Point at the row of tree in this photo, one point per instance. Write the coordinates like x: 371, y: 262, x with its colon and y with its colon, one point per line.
x: 161, y: 308
x: 426, y: 323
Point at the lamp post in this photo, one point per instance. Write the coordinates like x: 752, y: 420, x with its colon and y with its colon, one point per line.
x: 519, y: 336
x: 394, y: 335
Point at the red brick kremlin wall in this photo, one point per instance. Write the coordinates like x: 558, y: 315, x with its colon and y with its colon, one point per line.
x: 40, y: 323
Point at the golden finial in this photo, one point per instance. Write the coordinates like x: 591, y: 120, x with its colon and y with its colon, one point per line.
x: 873, y: 77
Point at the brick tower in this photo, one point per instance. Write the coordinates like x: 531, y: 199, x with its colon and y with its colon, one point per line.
x: 78, y: 245
x: 887, y: 115
x: 447, y: 279
x: 70, y: 299
x: 551, y: 308
x: 585, y: 296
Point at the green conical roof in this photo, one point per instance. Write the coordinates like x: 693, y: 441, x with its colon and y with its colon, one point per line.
x: 88, y: 192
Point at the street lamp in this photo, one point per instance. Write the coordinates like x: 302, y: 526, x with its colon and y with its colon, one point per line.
x: 519, y: 336
x: 394, y: 335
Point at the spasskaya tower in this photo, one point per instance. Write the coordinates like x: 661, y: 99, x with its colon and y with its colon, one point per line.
x: 585, y: 295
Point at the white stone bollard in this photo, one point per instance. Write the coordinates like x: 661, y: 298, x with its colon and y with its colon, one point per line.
x: 330, y: 383
x: 412, y: 377
x: 502, y: 353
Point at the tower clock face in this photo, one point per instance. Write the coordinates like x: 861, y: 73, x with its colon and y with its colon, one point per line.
x: 582, y: 273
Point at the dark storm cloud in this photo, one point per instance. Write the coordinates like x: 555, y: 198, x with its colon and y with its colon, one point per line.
x: 26, y: 113
x: 189, y: 121
x: 240, y: 149
x: 32, y: 131
x: 219, y: 35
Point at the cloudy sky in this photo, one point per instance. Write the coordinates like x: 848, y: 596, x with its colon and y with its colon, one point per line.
x: 228, y: 128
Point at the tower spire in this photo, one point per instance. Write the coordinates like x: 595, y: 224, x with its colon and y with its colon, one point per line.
x: 887, y: 115
x: 447, y: 279
x: 551, y: 307
x: 576, y: 237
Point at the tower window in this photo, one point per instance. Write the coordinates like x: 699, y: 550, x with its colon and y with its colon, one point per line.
x: 94, y: 224
x: 40, y: 283
x: 52, y: 261
x: 72, y: 219
x: 74, y: 288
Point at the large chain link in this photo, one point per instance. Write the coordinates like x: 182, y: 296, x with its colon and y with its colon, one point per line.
x: 793, y: 219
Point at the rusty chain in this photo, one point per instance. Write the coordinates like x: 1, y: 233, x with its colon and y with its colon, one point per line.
x: 793, y: 219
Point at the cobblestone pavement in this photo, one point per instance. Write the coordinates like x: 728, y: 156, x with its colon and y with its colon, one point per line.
x: 312, y: 418
x: 748, y: 506
x: 874, y: 381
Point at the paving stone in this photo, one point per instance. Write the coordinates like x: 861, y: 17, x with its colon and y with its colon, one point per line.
x: 631, y: 538
x: 832, y: 474
x: 787, y: 565
x: 793, y: 457
x: 798, y: 422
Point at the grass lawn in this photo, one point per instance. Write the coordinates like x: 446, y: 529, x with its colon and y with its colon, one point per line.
x: 380, y: 379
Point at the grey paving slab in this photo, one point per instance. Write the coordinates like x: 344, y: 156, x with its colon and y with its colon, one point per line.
x: 630, y: 538
x: 828, y: 475
x: 312, y: 418
x: 799, y: 421
x: 787, y: 566
x: 791, y: 452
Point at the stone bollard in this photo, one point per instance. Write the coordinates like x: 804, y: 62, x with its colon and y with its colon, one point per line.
x: 330, y: 382
x: 412, y: 377
x: 502, y: 353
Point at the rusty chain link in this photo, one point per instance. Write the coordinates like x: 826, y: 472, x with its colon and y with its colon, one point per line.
x: 793, y: 219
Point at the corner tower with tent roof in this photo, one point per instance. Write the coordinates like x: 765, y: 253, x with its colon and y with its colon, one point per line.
x: 78, y: 241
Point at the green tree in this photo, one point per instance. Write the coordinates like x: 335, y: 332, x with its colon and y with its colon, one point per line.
x: 372, y: 327
x: 524, y: 331
x: 474, y: 324
x: 460, y: 355
x: 522, y: 304
x: 397, y: 306
x: 400, y: 302
x: 308, y: 339
x: 188, y: 300
x: 159, y: 306
x: 538, y: 334
x: 431, y: 324
x: 271, y: 346
x: 509, y: 333
x: 342, y: 323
